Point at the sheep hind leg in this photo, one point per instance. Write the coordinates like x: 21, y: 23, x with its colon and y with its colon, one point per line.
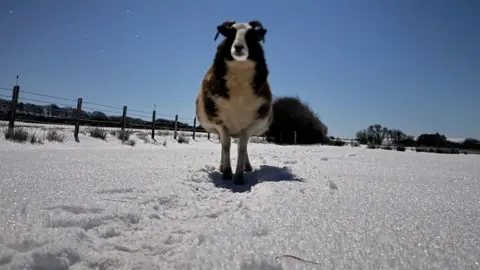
x: 238, y: 178
x: 225, y: 165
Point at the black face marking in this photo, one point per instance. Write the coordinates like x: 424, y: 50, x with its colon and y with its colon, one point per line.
x: 220, y: 69
x: 259, y: 29
x: 263, y: 110
x: 255, y: 49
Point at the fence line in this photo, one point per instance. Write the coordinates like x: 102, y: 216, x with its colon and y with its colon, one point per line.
x: 20, y: 108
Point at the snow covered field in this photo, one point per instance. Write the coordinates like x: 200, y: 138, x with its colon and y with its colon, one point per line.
x: 104, y: 205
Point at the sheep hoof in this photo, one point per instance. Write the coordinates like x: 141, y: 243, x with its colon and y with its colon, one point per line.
x: 238, y: 179
x: 227, y: 173
x: 248, y: 167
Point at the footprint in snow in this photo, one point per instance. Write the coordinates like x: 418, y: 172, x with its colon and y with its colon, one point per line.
x: 115, y: 190
x: 76, y: 209
x: 290, y: 162
x: 332, y: 185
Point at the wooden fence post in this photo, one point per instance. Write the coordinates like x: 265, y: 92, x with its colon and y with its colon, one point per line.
x: 153, y: 123
x: 194, y: 126
x: 13, y: 107
x: 208, y: 135
x: 294, y: 137
x: 175, y: 127
x: 124, y: 118
x: 77, y: 119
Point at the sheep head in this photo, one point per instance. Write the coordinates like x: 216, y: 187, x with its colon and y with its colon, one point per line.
x: 242, y: 38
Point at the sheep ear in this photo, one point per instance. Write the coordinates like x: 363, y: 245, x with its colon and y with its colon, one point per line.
x: 216, y: 36
x: 259, y: 29
x: 224, y: 28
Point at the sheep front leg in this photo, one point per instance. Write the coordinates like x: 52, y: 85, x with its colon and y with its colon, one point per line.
x: 241, y: 160
x: 225, y: 165
x: 248, y: 165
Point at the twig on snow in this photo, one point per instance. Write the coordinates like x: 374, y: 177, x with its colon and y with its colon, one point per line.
x: 297, y: 258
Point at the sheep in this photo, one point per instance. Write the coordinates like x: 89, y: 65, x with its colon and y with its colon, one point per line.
x: 235, y: 98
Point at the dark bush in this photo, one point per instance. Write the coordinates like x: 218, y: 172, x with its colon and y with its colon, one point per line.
x: 124, y: 135
x: 55, y: 135
x: 291, y: 115
x: 371, y: 146
x: 471, y: 143
x: 439, y: 150
x: 335, y: 142
x: 17, y: 134
x: 98, y: 133
x: 339, y: 142
x: 182, y: 139
x: 387, y: 148
x: 35, y: 139
x: 446, y: 151
x: 454, y: 151
x: 400, y: 148
x: 130, y: 142
x: 144, y: 136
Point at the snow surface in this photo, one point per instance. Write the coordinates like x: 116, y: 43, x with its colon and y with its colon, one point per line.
x: 104, y: 205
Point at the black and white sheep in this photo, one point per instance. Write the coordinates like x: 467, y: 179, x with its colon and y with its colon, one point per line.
x: 235, y: 99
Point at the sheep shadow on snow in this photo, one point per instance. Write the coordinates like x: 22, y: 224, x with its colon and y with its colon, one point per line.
x: 265, y: 173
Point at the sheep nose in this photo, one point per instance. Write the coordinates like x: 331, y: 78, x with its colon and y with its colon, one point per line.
x: 238, y: 48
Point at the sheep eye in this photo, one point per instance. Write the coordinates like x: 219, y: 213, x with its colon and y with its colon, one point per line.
x: 231, y: 32
x: 227, y: 31
x: 260, y: 31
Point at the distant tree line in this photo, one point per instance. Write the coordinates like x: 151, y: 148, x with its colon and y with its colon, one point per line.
x: 378, y: 135
x: 54, y: 114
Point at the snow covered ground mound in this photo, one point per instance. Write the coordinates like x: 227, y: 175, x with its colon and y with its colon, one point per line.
x: 104, y: 205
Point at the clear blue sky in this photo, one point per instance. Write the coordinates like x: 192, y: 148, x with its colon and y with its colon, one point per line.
x: 407, y: 64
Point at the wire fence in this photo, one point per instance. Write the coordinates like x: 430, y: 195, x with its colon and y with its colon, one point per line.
x: 44, y: 111
x: 48, y: 111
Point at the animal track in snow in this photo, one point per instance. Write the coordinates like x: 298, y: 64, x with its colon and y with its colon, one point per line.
x: 85, y: 222
x: 116, y: 190
x: 76, y: 209
x: 332, y: 185
x: 290, y: 162
x: 25, y: 246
